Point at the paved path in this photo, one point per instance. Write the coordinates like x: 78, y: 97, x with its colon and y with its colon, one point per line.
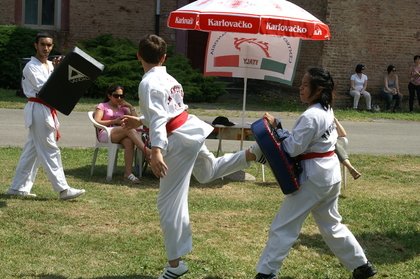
x: 375, y: 137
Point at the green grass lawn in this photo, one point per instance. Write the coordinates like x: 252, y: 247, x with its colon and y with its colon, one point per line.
x: 113, y: 231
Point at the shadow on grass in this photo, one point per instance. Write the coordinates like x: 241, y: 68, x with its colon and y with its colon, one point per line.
x: 54, y: 276
x: 7, y: 197
x: 46, y: 276
x: 148, y: 180
x: 134, y: 276
x: 391, y: 247
x: 268, y: 184
x: 398, y: 247
x: 145, y: 277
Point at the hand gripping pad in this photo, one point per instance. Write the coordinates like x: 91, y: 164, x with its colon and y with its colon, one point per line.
x: 285, y: 168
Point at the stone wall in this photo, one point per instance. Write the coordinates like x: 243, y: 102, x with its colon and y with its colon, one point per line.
x: 375, y: 33
x: 7, y: 12
x: 127, y: 19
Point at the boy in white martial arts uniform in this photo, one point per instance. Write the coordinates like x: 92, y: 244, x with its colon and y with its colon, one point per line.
x: 178, y: 151
x: 41, y: 146
x: 312, y: 139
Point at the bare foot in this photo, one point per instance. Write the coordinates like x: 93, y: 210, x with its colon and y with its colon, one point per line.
x: 249, y: 155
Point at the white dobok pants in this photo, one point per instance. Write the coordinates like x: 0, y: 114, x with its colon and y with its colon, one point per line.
x: 184, y: 158
x: 286, y: 226
x: 40, y: 148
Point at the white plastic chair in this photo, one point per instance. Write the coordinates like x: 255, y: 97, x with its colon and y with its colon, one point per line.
x: 112, y: 150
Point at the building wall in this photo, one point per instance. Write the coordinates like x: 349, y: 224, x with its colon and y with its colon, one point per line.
x: 375, y: 33
x: 7, y: 12
x: 88, y: 18
x: 127, y: 19
x: 311, y: 51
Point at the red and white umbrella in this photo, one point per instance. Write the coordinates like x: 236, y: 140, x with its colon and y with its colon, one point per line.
x: 271, y: 17
x: 259, y: 17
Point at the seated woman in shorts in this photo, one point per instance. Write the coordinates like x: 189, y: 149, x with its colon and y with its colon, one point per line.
x: 109, y: 113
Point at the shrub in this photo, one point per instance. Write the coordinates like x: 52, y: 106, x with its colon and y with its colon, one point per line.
x: 121, y: 67
x: 15, y: 44
x: 197, y: 88
x: 119, y: 57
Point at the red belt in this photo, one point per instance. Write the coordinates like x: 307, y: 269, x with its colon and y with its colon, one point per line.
x: 53, y: 113
x: 312, y: 155
x: 176, y: 122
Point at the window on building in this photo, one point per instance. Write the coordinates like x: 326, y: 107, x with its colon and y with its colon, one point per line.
x: 41, y: 13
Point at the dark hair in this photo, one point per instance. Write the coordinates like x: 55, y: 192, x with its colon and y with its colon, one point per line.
x: 152, y: 48
x: 390, y: 68
x: 359, y: 68
x: 321, y: 78
x: 43, y: 35
x: 416, y: 56
x: 111, y: 89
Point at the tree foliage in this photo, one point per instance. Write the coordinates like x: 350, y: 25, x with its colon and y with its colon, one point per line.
x: 119, y: 57
x: 122, y: 67
x: 15, y: 43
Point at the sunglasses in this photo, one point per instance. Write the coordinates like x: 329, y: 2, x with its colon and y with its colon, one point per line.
x: 118, y: 96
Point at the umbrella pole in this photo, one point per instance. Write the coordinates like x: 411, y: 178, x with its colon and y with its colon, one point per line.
x: 243, y: 113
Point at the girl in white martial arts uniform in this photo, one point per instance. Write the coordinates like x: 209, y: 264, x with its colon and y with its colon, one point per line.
x: 313, y: 138
x: 41, y: 146
x: 178, y: 151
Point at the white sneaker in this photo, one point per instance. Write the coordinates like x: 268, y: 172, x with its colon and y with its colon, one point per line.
x: 174, y: 272
x: 71, y: 193
x: 12, y: 192
x: 255, y: 149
